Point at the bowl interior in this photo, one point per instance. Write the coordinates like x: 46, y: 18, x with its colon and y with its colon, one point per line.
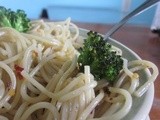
x: 141, y: 106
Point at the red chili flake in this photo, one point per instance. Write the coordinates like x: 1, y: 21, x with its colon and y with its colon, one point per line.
x: 18, y: 71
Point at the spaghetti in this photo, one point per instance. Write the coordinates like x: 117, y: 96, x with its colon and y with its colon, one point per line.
x: 39, y: 79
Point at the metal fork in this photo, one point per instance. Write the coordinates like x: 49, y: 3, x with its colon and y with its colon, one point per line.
x: 144, y: 6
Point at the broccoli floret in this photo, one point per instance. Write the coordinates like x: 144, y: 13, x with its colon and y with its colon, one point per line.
x: 104, y: 63
x: 17, y: 20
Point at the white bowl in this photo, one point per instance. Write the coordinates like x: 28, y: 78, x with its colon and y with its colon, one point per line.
x: 141, y: 106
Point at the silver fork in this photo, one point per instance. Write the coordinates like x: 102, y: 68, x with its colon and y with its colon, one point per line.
x: 144, y: 6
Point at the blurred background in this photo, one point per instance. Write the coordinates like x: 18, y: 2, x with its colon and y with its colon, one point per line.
x: 88, y: 11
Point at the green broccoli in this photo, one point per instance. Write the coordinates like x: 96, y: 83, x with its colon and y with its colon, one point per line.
x: 103, y: 62
x: 17, y: 20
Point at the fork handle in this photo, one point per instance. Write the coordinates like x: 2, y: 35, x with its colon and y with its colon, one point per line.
x: 144, y: 6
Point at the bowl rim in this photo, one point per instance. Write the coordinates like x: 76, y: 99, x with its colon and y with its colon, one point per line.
x: 149, y: 95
